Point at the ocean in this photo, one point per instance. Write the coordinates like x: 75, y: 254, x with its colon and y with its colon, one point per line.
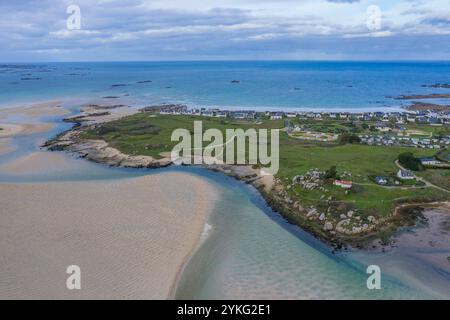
x: 338, y: 86
x: 250, y: 251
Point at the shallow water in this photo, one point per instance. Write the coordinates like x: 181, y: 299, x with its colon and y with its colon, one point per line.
x: 251, y: 252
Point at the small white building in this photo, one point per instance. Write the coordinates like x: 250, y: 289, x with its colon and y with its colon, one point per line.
x: 405, y: 175
x: 276, y: 116
x: 429, y: 161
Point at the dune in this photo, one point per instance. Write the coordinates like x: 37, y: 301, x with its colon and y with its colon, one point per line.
x: 129, y: 237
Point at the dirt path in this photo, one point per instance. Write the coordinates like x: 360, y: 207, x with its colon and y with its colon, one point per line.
x: 427, y: 183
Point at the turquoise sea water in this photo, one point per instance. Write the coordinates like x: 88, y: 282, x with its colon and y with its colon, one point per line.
x: 299, y: 85
x: 250, y: 252
x: 253, y: 253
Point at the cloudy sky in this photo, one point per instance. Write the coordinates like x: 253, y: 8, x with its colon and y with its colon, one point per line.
x: 36, y: 30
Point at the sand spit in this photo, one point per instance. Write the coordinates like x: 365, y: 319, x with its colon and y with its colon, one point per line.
x: 36, y: 110
x: 32, y: 113
x: 129, y: 237
x: 13, y: 130
x: 37, y: 162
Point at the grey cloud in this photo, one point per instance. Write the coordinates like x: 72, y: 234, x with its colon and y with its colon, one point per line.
x: 120, y: 30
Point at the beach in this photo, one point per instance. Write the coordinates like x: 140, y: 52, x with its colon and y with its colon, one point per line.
x: 34, y: 109
x: 181, y: 232
x: 25, y: 119
x: 38, y: 162
x: 129, y: 237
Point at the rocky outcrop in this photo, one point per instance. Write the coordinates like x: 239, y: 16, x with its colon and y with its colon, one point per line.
x: 99, y: 151
x: 423, y: 106
x: 424, y: 96
x: 437, y: 86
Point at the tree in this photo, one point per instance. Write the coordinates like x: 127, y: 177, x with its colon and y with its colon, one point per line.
x: 346, y: 138
x: 330, y: 173
x: 410, y: 162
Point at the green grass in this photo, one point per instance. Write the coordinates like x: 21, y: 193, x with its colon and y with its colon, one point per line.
x: 444, y: 155
x: 345, y: 125
x: 361, y: 160
x: 439, y: 177
x: 147, y: 134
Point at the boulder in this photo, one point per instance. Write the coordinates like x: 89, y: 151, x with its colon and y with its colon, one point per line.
x: 328, y: 226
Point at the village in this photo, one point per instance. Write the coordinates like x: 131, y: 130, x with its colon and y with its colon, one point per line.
x: 433, y: 118
x: 387, y: 129
x: 373, y: 128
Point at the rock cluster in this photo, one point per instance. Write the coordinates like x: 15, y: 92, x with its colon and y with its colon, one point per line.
x: 99, y: 151
x: 311, y: 180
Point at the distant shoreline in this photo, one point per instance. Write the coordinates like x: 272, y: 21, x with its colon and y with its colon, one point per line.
x: 83, y: 100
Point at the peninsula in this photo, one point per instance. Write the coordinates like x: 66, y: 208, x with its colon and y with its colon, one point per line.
x: 339, y: 176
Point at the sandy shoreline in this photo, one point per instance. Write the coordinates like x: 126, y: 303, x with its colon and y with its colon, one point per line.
x: 12, y: 130
x: 37, y: 109
x: 30, y: 124
x: 36, y: 162
x: 129, y: 237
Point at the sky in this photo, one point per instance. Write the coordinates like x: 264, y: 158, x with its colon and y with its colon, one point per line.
x: 138, y: 30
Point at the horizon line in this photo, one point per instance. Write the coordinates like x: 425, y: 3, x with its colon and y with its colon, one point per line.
x: 234, y: 60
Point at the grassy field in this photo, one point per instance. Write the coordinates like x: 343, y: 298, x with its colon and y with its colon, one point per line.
x: 444, y: 155
x: 439, y: 177
x: 328, y: 125
x: 361, y: 161
x: 149, y: 134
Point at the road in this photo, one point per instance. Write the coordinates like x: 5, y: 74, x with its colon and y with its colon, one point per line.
x: 427, y: 183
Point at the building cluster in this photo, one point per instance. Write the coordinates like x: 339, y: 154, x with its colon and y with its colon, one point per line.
x: 205, y: 112
x: 385, y: 120
x: 404, y: 141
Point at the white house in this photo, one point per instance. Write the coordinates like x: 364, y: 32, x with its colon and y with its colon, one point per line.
x: 276, y: 116
x: 405, y: 175
x: 429, y: 161
x: 381, y: 181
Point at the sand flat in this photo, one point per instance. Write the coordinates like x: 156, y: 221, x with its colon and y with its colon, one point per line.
x: 35, y: 110
x: 130, y: 237
x: 12, y: 130
x: 37, y: 162
x: 5, y: 146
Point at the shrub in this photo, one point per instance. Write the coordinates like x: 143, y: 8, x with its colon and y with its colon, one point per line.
x: 346, y: 138
x: 410, y: 162
x: 330, y: 173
